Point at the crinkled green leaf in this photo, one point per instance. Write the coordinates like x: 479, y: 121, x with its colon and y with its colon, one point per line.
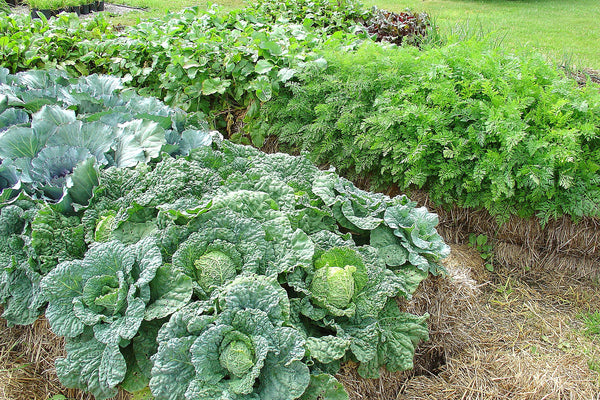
x: 326, y: 349
x: 284, y: 376
x: 22, y: 301
x: 259, y: 293
x: 92, y: 366
x: 324, y: 386
x: 173, y: 369
x: 171, y: 289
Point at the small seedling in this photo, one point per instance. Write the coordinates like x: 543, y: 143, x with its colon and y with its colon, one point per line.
x: 485, y: 249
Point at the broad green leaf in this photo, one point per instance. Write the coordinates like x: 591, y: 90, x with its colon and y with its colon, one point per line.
x: 94, y: 136
x: 285, y: 74
x: 51, y: 117
x: 324, y: 386
x: 389, y: 246
x: 214, y: 85
x: 262, y: 67
x: 170, y: 291
x: 18, y: 142
x: 138, y: 141
x: 81, y: 183
x: 13, y: 116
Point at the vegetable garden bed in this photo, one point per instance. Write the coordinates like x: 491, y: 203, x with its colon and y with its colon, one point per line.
x: 115, y: 235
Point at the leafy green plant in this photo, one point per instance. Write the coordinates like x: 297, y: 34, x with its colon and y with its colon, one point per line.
x: 485, y: 249
x: 46, y: 4
x: 100, y: 302
x: 57, y: 132
x: 244, y: 349
x: 332, y: 15
x: 471, y: 125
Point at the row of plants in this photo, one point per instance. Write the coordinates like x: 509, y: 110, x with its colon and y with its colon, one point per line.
x: 189, y: 267
x: 55, y: 133
x: 472, y: 125
x: 51, y: 8
x: 201, y: 61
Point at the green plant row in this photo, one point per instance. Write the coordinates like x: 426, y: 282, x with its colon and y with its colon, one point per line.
x: 474, y: 126
x: 200, y: 61
x: 191, y: 267
x: 221, y: 65
x: 55, y: 4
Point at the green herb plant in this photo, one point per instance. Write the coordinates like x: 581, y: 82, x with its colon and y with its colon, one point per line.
x: 485, y: 249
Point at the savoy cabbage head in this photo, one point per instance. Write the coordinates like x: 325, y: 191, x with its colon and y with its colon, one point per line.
x: 243, y: 350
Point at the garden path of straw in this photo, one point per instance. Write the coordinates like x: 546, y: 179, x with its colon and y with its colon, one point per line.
x: 501, y: 335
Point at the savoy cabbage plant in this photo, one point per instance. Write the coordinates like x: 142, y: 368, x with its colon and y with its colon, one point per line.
x: 100, y: 302
x: 19, y: 282
x: 216, y: 272
x: 242, y: 350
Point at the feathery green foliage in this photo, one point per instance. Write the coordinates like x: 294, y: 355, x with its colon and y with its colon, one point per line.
x: 472, y: 125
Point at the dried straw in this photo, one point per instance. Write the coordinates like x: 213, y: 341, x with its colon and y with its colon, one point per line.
x: 499, y: 336
x: 27, y: 355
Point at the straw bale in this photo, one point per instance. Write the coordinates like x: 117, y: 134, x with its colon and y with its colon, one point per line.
x: 560, y: 244
x: 512, y: 255
x: 27, y: 355
x: 562, y: 235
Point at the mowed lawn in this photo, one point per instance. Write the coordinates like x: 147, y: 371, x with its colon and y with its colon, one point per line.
x: 568, y: 31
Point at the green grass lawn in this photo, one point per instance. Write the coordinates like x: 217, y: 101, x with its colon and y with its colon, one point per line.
x: 567, y: 31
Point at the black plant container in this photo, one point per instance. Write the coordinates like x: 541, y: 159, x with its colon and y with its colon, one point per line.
x: 13, y: 3
x: 75, y: 9
x: 93, y: 6
x: 100, y: 5
x: 47, y: 13
x: 84, y: 9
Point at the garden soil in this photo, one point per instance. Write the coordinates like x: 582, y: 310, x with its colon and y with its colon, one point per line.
x: 509, y: 334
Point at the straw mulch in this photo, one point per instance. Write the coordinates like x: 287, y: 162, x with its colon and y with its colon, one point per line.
x: 496, y: 336
x: 27, y: 355
x: 501, y: 335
